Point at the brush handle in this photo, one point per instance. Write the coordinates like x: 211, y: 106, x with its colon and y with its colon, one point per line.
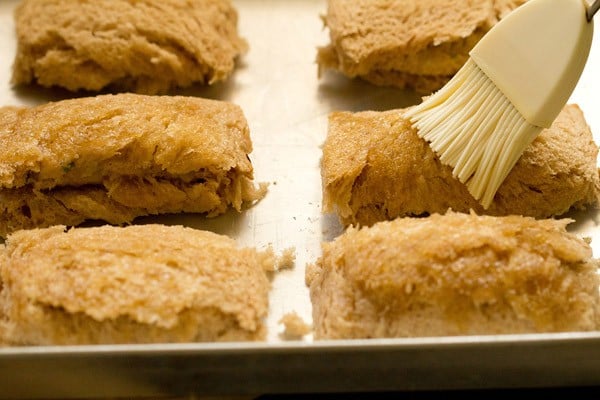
x: 592, y: 9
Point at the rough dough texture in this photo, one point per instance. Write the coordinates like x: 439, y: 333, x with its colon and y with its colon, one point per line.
x: 417, y: 44
x: 375, y: 167
x: 117, y: 157
x: 144, y: 46
x: 139, y: 284
x: 457, y: 274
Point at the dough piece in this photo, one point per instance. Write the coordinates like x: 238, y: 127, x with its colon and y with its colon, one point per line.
x: 375, y: 167
x: 456, y: 274
x: 143, y: 46
x: 138, y: 284
x: 117, y: 157
x: 417, y: 44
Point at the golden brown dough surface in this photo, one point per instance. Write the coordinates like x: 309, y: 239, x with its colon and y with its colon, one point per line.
x: 375, y: 167
x: 417, y: 44
x: 116, y: 157
x: 456, y: 274
x: 144, y: 46
x: 139, y: 284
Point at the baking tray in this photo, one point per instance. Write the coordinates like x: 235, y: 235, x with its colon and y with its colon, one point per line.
x: 287, y: 106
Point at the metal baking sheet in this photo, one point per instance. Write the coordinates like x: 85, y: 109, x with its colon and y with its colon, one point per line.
x: 286, y: 105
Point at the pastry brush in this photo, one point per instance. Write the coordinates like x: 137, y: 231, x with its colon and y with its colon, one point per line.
x: 517, y: 79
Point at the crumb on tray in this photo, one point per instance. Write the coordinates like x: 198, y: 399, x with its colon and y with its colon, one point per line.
x: 294, y: 326
x: 286, y: 259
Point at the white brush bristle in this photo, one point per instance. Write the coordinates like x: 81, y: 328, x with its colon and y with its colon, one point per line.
x: 475, y: 129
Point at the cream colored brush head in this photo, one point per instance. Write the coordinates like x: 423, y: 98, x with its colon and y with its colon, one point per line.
x: 518, y: 78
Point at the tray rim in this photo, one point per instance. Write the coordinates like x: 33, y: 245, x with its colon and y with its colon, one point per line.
x: 340, y: 345
x: 239, y: 368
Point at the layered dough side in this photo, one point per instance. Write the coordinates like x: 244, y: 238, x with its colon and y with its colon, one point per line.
x: 375, y: 167
x: 145, y: 46
x: 137, y: 284
x: 454, y: 274
x: 416, y: 44
x: 116, y: 157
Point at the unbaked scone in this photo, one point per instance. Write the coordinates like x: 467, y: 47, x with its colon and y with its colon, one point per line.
x: 375, y: 167
x: 143, y: 46
x: 138, y: 284
x: 417, y: 44
x: 117, y: 157
x: 457, y: 274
